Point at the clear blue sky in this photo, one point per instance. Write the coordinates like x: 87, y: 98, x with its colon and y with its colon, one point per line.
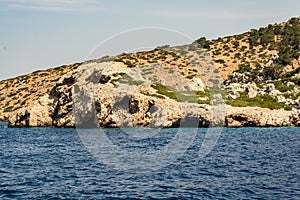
x: 38, y: 34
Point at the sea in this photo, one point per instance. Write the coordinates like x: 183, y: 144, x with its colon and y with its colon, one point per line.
x: 241, y: 163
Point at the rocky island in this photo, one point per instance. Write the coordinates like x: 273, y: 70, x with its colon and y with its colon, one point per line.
x: 251, y: 79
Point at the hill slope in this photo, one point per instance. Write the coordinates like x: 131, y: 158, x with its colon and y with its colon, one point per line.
x: 259, y: 69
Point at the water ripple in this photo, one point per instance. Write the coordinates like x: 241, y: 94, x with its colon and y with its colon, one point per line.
x: 247, y: 163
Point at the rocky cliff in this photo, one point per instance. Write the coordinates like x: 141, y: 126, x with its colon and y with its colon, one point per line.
x: 252, y: 79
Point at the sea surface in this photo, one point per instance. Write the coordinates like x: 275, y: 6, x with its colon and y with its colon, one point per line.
x: 244, y: 163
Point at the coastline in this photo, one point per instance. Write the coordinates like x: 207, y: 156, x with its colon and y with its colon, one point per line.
x: 235, y: 117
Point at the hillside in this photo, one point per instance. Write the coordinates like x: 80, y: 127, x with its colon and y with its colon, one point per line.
x: 274, y: 45
x: 257, y: 73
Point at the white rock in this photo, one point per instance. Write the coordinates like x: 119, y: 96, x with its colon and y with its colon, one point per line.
x: 274, y: 93
x: 252, y: 90
x: 270, y: 87
x: 290, y: 83
x: 196, y: 84
x: 280, y: 99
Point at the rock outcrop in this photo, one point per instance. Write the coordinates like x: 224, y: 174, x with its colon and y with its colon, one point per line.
x: 93, y: 97
x: 260, y: 117
x: 51, y: 110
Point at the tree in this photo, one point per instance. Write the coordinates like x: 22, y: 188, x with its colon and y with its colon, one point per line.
x: 272, y: 72
x: 254, y: 37
x: 203, y: 42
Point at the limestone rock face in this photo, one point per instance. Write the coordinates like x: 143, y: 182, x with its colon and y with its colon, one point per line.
x: 40, y: 112
x: 63, y: 102
x: 38, y: 115
x: 19, y: 119
x: 50, y: 110
x: 260, y: 117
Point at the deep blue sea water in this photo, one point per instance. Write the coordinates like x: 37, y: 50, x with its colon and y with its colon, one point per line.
x: 246, y: 163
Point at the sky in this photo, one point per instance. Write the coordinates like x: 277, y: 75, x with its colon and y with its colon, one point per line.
x: 39, y: 34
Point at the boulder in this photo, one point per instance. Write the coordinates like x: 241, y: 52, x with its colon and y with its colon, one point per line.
x: 238, y: 78
x: 252, y: 90
x: 274, y: 93
x: 290, y: 84
x: 270, y: 87
x: 196, y: 85
x: 235, y: 90
x: 280, y: 99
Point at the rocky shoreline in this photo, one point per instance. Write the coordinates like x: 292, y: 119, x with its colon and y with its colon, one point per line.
x: 59, y: 108
x: 235, y: 117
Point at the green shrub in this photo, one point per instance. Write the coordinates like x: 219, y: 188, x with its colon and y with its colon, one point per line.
x: 8, y: 109
x: 203, y: 42
x: 216, y: 71
x: 11, y: 94
x: 262, y: 55
x: 243, y: 48
x: 154, y: 95
x: 23, y: 103
x: 129, y: 80
x: 220, y: 61
x: 244, y: 68
x: 219, y: 40
x: 226, y: 47
x: 239, y: 37
x: 190, y: 76
x: 181, y: 96
x: 272, y: 72
x: 217, y: 52
x: 237, y: 55
x: 236, y: 44
x: 265, y: 101
x: 282, y: 86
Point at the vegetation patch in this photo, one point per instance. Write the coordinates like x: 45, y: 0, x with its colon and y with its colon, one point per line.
x: 221, y: 61
x: 128, y: 80
x: 183, y: 96
x: 265, y: 101
x: 8, y: 109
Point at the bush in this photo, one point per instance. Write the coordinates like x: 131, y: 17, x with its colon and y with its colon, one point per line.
x: 221, y: 61
x: 217, y: 52
x: 181, y: 96
x: 203, y: 42
x: 282, y: 86
x: 236, y: 44
x: 264, y: 101
x: 243, y: 48
x: 11, y: 94
x: 254, y: 38
x: 237, y: 55
x: 219, y: 40
x: 9, y: 109
x: 272, y: 72
x: 244, y: 68
x: 226, y: 47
